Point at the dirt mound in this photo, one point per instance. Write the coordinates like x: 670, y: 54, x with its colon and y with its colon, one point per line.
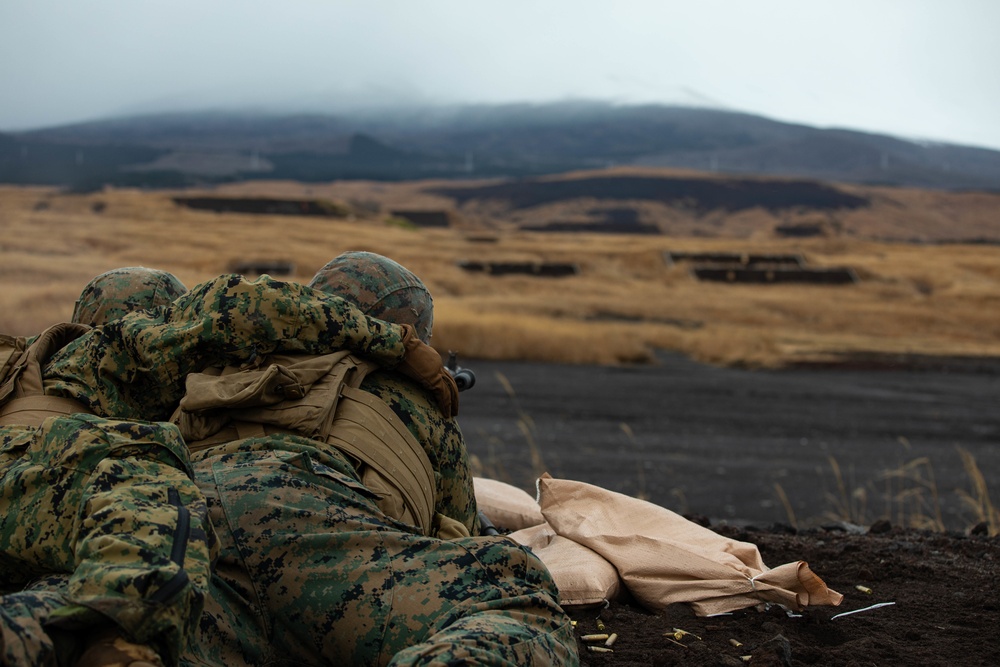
x: 938, y: 593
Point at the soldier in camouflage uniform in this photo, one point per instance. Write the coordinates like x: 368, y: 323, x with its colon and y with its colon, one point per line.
x: 76, y: 485
x: 384, y: 289
x: 88, y: 461
x: 313, y: 572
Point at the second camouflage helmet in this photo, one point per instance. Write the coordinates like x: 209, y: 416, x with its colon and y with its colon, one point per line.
x: 380, y: 287
x: 120, y: 291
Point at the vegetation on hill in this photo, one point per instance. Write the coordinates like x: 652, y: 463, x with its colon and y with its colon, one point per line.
x: 622, y: 297
x: 179, y: 150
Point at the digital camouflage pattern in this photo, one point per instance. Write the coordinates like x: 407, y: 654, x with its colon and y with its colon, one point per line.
x: 225, y: 405
x: 114, y: 504
x: 381, y: 287
x: 312, y: 573
x: 134, y: 369
x: 118, y: 292
x: 24, y: 638
x: 309, y: 567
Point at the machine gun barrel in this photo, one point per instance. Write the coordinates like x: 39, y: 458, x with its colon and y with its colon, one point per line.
x: 464, y: 377
x: 486, y: 526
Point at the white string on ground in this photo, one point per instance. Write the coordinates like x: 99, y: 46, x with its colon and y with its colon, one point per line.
x: 858, y: 611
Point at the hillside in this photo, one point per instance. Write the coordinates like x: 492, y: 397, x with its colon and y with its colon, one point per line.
x: 587, y: 267
x: 629, y: 201
x: 181, y: 150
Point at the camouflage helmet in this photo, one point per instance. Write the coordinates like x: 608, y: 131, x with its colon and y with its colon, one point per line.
x: 380, y: 287
x: 120, y: 291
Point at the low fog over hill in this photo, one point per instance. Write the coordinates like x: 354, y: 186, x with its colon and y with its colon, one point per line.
x: 474, y: 141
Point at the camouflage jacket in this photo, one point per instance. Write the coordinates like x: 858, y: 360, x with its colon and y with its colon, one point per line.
x: 134, y: 367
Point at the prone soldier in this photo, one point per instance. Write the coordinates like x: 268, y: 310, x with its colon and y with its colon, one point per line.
x: 108, y: 497
x: 326, y: 554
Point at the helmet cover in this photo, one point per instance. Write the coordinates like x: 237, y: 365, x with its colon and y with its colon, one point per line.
x: 120, y: 291
x: 380, y: 287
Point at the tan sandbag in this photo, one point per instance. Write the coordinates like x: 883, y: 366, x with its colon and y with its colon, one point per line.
x: 583, y: 576
x: 508, y: 507
x: 663, y: 558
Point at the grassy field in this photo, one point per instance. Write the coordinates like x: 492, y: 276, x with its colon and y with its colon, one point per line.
x: 625, y: 302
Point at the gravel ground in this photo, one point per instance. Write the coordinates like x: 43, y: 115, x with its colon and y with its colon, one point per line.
x: 742, y: 446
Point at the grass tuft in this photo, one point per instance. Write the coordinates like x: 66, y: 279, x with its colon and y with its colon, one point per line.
x: 978, y: 499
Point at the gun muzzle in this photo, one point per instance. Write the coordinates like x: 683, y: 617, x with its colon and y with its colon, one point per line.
x: 464, y: 378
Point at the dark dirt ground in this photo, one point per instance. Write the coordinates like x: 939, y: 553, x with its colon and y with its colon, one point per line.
x: 720, y: 442
x: 945, y: 588
x: 716, y: 444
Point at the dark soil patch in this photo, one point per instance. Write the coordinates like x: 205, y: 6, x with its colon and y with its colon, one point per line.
x: 264, y: 206
x: 803, y: 447
x: 945, y: 611
x: 702, y: 194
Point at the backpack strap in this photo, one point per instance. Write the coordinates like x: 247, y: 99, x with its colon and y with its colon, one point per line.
x: 366, y: 429
x: 33, y: 410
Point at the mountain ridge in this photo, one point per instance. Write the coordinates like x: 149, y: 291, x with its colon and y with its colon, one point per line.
x: 510, y: 141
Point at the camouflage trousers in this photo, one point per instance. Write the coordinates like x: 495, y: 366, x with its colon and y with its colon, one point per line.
x: 312, y: 573
x: 25, y: 635
x: 112, y: 505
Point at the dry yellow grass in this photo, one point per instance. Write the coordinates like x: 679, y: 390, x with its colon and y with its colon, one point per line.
x: 625, y: 303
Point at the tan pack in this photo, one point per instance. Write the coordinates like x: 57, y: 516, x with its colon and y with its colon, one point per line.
x: 317, y: 397
x: 22, y: 394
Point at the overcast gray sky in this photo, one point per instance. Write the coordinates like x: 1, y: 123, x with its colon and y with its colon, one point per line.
x: 924, y: 69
